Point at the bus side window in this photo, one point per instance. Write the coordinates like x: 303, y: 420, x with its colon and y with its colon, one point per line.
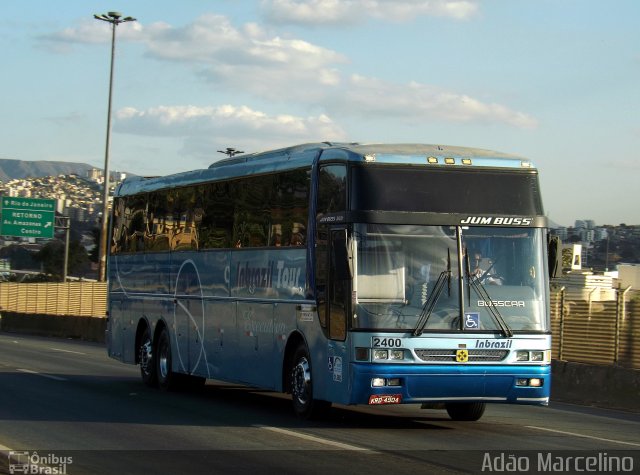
x: 332, y: 196
x: 156, y: 237
x: 119, y: 228
x: 137, y: 222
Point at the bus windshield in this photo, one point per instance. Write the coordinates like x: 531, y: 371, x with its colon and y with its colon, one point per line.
x: 405, y: 274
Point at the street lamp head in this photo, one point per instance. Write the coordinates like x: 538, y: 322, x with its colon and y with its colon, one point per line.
x: 114, y: 18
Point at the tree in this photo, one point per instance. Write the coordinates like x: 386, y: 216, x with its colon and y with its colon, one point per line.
x: 19, y: 257
x: 51, y: 256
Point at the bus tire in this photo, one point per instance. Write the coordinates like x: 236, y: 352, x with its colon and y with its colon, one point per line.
x: 465, y: 411
x: 301, y: 384
x: 148, y: 370
x: 165, y: 376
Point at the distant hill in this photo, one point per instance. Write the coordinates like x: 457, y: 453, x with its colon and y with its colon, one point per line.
x: 12, y: 169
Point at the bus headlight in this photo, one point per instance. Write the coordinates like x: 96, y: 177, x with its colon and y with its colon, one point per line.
x: 396, y: 354
x: 382, y: 382
x: 537, y: 356
x: 380, y: 354
x: 530, y: 382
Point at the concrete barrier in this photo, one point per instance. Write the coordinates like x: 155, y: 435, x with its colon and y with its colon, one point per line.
x: 82, y: 328
x: 585, y: 384
x: 596, y: 385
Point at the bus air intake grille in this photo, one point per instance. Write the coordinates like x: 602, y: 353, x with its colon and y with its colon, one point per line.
x: 450, y: 355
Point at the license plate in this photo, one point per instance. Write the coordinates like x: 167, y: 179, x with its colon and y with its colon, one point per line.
x: 385, y: 399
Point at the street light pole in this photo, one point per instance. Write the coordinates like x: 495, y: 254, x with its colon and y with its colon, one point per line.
x: 115, y: 19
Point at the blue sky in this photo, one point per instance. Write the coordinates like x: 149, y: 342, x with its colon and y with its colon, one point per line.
x: 556, y: 81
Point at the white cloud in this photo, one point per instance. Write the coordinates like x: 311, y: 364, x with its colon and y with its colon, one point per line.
x: 375, y: 98
x: 246, y: 59
x: 204, y: 130
x: 88, y: 32
x: 323, y: 12
x: 226, y: 124
x: 317, y: 12
x: 212, y: 40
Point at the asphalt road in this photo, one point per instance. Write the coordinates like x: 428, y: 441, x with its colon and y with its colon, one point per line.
x: 65, y: 407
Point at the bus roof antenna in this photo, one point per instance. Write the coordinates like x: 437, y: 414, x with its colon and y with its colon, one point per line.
x: 231, y: 152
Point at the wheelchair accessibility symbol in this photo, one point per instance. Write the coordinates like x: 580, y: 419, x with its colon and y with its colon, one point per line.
x: 471, y: 321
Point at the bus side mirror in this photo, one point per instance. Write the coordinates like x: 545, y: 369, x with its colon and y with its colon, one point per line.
x: 554, y: 246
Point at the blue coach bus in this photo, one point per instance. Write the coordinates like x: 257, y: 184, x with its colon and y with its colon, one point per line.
x: 338, y: 273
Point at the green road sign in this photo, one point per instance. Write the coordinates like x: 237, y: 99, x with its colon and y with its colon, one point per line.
x: 27, y: 217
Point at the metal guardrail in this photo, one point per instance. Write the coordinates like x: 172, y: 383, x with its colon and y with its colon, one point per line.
x: 82, y: 299
x: 597, y: 326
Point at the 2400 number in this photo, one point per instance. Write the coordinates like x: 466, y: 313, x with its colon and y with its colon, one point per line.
x: 379, y: 342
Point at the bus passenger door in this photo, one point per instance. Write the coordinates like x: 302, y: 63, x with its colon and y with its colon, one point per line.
x: 338, y: 303
x: 333, y: 283
x: 338, y: 285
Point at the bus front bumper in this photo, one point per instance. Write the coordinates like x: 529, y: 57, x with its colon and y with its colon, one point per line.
x: 394, y: 384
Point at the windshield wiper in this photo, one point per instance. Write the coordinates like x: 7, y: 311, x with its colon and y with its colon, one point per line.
x: 484, y: 295
x: 429, y: 305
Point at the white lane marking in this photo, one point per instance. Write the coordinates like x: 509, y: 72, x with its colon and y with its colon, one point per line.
x: 66, y: 351
x: 602, y: 439
x: 319, y: 440
x: 4, y: 448
x: 44, y: 375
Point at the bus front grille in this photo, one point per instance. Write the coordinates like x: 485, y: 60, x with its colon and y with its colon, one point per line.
x: 450, y: 355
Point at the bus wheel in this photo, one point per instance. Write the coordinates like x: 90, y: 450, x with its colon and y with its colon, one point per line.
x: 465, y: 411
x: 304, y: 405
x: 147, y: 363
x: 164, y: 373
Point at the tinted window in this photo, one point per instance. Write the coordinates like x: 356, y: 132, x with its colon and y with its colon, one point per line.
x: 133, y: 223
x: 332, y: 188
x: 160, y: 223
x: 187, y: 215
x: 216, y: 226
x: 289, y: 209
x: 256, y: 211
x: 445, y: 191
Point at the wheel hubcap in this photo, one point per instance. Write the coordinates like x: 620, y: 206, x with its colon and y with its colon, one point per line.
x: 145, y: 357
x: 163, y: 362
x: 301, y: 381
